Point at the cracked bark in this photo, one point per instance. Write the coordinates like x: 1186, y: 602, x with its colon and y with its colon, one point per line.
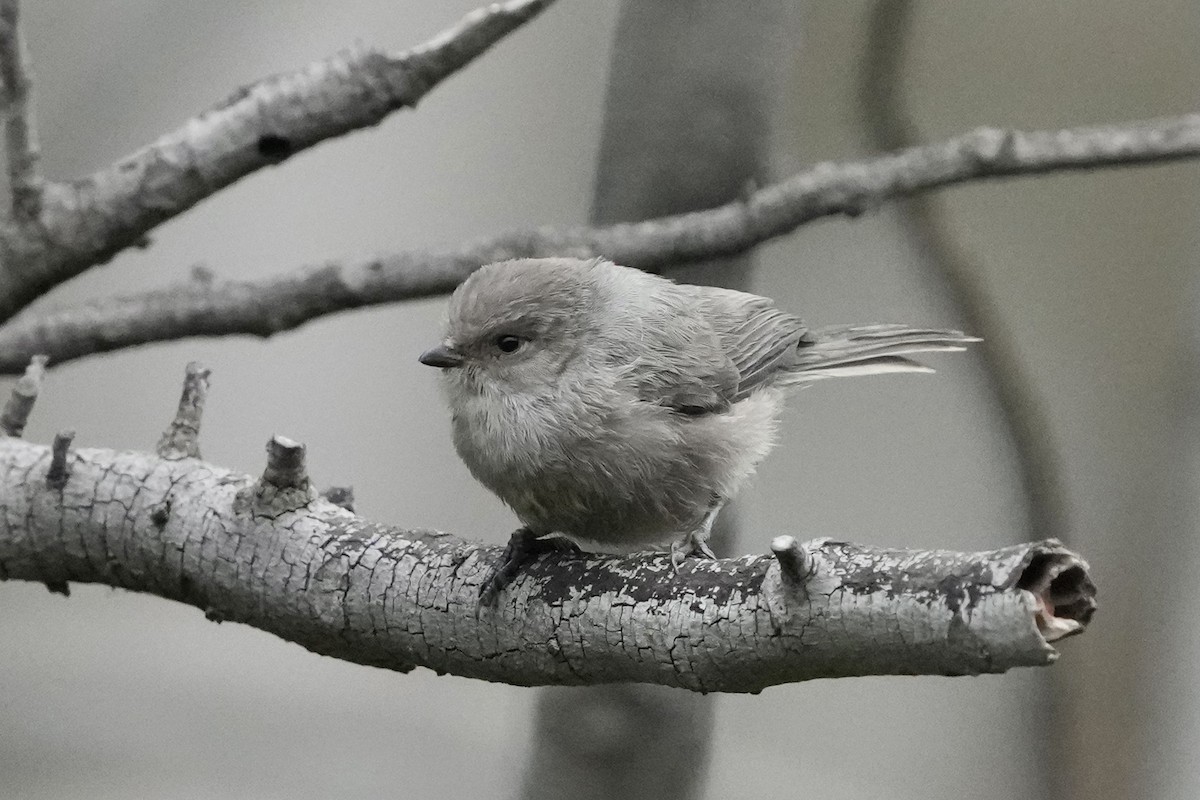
x: 315, y: 574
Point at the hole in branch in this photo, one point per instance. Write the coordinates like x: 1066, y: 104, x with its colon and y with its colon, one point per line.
x: 1065, y: 592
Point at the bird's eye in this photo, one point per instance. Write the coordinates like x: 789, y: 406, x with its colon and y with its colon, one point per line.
x: 507, y: 343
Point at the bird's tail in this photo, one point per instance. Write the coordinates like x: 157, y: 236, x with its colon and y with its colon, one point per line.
x: 848, y: 350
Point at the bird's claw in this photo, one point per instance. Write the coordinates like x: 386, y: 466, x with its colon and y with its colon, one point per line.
x: 692, y: 545
x: 523, y: 546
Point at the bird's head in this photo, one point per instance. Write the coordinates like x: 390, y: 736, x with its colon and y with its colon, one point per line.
x: 516, y: 327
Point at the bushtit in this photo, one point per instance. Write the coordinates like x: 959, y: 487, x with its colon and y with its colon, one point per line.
x: 621, y: 409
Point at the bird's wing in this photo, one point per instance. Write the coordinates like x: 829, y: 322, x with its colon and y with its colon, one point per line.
x: 685, y: 369
x: 708, y: 348
x: 665, y: 348
x: 756, y: 337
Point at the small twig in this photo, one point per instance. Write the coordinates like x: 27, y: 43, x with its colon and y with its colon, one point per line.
x: 60, y: 470
x: 20, y: 403
x: 285, y: 464
x: 284, y: 485
x: 20, y: 132
x: 795, y: 562
x: 90, y: 220
x: 235, y: 307
x: 181, y: 439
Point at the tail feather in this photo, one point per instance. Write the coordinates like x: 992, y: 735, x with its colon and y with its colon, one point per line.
x: 851, y: 350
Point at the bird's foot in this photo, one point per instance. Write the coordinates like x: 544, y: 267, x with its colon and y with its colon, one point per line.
x: 691, y: 545
x: 523, y: 546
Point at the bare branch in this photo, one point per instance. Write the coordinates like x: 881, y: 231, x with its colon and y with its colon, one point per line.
x: 20, y: 403
x: 88, y: 221
x: 272, y: 305
x: 340, y: 585
x: 20, y: 132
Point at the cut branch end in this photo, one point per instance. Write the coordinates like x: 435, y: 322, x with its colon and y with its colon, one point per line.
x: 1065, y: 593
x: 20, y: 403
x: 341, y: 496
x: 286, y: 468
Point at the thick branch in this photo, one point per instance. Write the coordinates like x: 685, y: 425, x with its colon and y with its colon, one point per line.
x: 20, y: 133
x: 87, y: 221
x: 315, y: 574
x: 265, y: 307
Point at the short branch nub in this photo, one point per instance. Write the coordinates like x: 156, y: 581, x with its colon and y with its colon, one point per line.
x: 20, y: 402
x: 60, y: 470
x: 342, y: 496
x: 285, y: 464
x: 795, y: 562
x: 181, y: 439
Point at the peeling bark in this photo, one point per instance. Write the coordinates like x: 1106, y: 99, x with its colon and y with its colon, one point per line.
x: 315, y: 574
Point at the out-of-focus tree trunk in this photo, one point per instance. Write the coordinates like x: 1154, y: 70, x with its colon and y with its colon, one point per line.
x: 1167, y: 730
x: 691, y: 91
x: 888, y: 127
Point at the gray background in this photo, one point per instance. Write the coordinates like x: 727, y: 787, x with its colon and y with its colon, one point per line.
x: 108, y: 694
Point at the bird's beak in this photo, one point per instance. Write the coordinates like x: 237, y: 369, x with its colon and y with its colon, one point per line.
x: 441, y: 357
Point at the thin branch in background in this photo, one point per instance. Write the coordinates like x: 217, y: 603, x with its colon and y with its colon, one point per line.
x: 271, y: 305
x: 88, y: 221
x: 890, y: 128
x: 20, y: 131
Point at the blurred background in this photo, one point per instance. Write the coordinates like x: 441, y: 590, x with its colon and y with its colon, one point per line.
x: 1087, y: 280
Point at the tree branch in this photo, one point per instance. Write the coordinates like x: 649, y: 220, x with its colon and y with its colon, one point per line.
x: 272, y: 305
x: 337, y: 584
x: 20, y: 132
x: 87, y: 221
x: 271, y: 554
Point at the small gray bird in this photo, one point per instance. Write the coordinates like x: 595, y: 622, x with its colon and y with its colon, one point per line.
x: 621, y: 409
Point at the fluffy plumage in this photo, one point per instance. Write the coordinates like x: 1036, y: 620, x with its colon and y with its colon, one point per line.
x: 631, y: 407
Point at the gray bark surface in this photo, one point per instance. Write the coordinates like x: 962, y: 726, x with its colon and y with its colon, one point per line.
x: 277, y: 557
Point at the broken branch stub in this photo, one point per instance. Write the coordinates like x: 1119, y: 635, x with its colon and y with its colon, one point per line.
x: 20, y: 403
x: 59, y: 470
x: 284, y: 485
x: 181, y: 439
